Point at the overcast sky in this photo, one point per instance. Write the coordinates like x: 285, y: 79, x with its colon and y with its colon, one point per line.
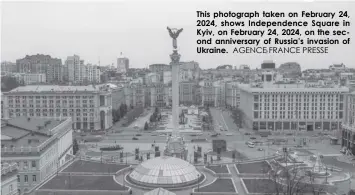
x: 101, y: 30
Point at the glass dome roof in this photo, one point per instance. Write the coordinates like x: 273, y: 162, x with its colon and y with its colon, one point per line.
x: 165, y: 171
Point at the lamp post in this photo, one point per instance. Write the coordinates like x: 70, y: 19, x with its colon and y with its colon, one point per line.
x: 198, y: 182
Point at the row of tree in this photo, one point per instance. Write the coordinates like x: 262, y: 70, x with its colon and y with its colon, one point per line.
x: 117, y: 114
x: 156, y: 116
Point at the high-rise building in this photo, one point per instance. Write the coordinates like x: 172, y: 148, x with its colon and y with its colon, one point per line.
x: 122, y: 64
x: 73, y: 66
x: 41, y: 64
x: 90, y: 107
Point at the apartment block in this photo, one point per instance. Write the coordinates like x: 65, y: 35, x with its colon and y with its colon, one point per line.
x: 90, y: 107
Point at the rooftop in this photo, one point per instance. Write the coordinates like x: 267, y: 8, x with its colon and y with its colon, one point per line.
x: 281, y: 88
x: 54, y: 88
x: 27, y: 131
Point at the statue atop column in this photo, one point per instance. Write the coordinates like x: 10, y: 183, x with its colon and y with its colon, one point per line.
x: 174, y: 34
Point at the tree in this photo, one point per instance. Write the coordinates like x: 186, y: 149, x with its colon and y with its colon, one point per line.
x: 146, y: 126
x: 238, y: 117
x: 75, y: 146
x: 8, y: 83
x: 290, y: 178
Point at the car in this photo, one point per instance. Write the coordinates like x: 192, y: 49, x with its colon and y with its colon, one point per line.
x: 246, y: 133
x: 214, y: 135
x: 252, y: 137
x: 260, y: 149
x: 135, y: 138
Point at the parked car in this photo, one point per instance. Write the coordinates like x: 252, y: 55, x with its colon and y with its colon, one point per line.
x: 252, y: 137
x: 246, y: 133
x: 260, y: 149
x: 135, y: 138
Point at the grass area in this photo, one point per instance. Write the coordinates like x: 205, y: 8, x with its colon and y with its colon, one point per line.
x: 264, y: 186
x: 220, y: 185
x: 218, y: 168
x: 93, y: 167
x: 254, y: 167
x: 72, y: 183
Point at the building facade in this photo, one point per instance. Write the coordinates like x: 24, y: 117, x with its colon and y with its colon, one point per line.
x: 188, y: 93
x: 30, y: 78
x: 232, y: 95
x: 38, y: 146
x: 8, y: 67
x: 40, y: 63
x: 159, y: 67
x: 9, y: 179
x: 207, y: 93
x: 122, y: 64
x: 348, y: 126
x: 283, y: 108
x: 89, y: 106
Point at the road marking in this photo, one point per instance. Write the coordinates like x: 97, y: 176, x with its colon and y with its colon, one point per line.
x: 225, y: 124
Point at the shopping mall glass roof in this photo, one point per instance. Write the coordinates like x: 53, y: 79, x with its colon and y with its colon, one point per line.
x: 165, y: 170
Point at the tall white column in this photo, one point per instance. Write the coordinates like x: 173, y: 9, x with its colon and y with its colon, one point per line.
x: 175, y: 96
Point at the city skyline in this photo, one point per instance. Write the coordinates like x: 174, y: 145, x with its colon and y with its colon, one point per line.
x: 101, y: 31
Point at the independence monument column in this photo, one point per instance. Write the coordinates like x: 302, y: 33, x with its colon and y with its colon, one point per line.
x: 175, y: 144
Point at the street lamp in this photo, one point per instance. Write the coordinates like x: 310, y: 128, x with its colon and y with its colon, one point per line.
x: 198, y: 182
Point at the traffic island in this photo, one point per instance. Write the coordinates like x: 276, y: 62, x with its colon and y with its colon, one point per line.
x: 219, y: 186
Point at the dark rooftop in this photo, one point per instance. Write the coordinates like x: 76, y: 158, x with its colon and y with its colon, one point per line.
x: 89, y: 182
x: 93, y: 167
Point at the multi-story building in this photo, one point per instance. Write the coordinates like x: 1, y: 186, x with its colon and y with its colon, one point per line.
x: 38, y: 146
x: 232, y: 95
x: 89, y: 106
x: 159, y: 67
x: 54, y: 73
x: 90, y: 74
x: 188, y: 92
x: 348, y: 126
x: 73, y: 66
x: 9, y: 179
x: 207, y: 93
x: 8, y: 67
x: 41, y: 64
x: 292, y: 108
x: 134, y: 94
x: 2, y: 105
x: 122, y: 64
x: 30, y: 78
x: 158, y: 95
x: 117, y: 94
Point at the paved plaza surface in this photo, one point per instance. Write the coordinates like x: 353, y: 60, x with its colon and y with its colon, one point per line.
x: 316, y: 145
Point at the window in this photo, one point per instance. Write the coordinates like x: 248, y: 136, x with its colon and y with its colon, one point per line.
x: 10, y: 188
x: 33, y: 164
x: 18, y: 178
x: 34, y: 178
x: 26, y: 178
